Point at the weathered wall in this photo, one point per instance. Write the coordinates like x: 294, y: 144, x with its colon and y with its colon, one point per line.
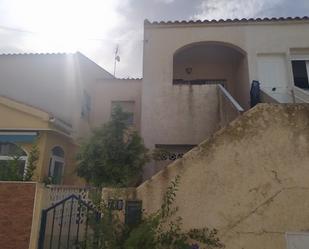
x: 250, y: 180
x: 16, y: 205
x: 165, y: 108
x: 106, y: 91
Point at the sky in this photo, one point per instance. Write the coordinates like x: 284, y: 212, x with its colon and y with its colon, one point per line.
x: 97, y: 27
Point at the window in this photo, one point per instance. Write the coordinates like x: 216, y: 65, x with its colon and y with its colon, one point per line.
x: 128, y: 107
x: 300, y: 73
x: 56, y: 165
x: 13, y: 161
x: 86, y: 106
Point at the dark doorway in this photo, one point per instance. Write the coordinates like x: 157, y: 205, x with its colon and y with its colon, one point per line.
x: 300, y: 74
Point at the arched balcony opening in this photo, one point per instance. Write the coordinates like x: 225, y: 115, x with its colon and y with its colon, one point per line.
x: 208, y: 63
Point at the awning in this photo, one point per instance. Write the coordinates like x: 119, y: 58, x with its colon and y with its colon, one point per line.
x: 13, y: 137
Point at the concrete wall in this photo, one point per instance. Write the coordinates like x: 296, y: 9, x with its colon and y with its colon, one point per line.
x: 106, y: 91
x: 249, y: 180
x: 16, y: 205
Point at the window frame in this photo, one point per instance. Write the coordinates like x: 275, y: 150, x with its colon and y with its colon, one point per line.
x: 21, y: 158
x: 52, y: 162
x: 306, y: 60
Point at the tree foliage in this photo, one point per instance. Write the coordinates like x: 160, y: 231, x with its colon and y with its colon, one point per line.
x: 32, y: 162
x: 13, y: 168
x: 114, y: 155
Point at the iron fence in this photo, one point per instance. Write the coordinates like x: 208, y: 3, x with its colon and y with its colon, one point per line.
x: 68, y: 224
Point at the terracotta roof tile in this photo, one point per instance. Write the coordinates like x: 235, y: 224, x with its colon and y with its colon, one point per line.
x: 243, y: 20
x: 45, y: 54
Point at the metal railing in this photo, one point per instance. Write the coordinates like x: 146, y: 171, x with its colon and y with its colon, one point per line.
x: 66, y: 224
x: 228, y: 106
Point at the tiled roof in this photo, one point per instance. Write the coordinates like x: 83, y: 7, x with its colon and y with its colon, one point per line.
x: 243, y: 20
x: 22, y: 54
x: 129, y: 78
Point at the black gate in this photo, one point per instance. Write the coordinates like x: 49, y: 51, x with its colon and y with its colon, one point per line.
x: 68, y: 224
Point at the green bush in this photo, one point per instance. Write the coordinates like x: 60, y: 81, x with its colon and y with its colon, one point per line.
x: 114, y: 155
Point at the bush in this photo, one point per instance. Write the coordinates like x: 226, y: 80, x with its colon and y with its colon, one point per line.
x: 114, y: 155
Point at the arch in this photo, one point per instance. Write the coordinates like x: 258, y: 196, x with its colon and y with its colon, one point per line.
x: 58, y: 151
x: 56, y: 165
x: 219, y: 43
x: 211, y: 63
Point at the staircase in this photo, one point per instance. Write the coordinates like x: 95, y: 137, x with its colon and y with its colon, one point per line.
x: 250, y: 179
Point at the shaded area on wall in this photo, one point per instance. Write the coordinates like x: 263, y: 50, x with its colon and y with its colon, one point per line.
x: 249, y: 180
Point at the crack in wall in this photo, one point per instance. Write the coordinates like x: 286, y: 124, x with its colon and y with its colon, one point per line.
x: 266, y: 202
x: 259, y: 233
x: 276, y: 176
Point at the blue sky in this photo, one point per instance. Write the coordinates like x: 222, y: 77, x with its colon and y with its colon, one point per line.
x: 95, y: 27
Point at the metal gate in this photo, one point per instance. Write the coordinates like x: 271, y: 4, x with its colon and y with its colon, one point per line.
x: 68, y: 224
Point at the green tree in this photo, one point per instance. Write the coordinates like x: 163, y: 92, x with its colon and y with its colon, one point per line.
x: 32, y: 162
x: 114, y: 155
x: 13, y: 168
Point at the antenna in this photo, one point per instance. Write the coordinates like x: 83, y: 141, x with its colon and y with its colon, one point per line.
x: 117, y: 58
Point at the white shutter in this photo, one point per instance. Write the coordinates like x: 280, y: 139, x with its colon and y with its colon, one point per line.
x: 272, y: 72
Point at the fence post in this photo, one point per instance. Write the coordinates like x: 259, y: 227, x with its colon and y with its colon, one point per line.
x: 42, y: 229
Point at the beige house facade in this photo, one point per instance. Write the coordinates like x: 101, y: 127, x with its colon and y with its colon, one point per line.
x: 196, y: 78
x: 177, y: 103
x: 245, y: 172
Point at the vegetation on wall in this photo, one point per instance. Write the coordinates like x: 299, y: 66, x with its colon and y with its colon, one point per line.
x: 114, y: 155
x: 161, y: 230
x: 33, y: 159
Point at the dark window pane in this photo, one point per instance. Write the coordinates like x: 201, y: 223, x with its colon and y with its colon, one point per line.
x: 57, y: 176
x: 300, y: 74
x: 133, y: 213
x: 9, y: 149
x: 57, y: 151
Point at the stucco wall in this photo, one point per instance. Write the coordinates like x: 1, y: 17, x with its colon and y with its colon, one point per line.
x: 52, y: 139
x: 178, y: 114
x: 22, y: 117
x: 250, y: 180
x: 106, y: 91
x: 165, y: 112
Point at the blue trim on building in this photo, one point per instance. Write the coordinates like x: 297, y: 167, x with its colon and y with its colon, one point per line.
x: 17, y: 138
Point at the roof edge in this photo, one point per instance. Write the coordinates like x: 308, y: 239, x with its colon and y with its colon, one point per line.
x: 26, y: 108
x: 227, y: 21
